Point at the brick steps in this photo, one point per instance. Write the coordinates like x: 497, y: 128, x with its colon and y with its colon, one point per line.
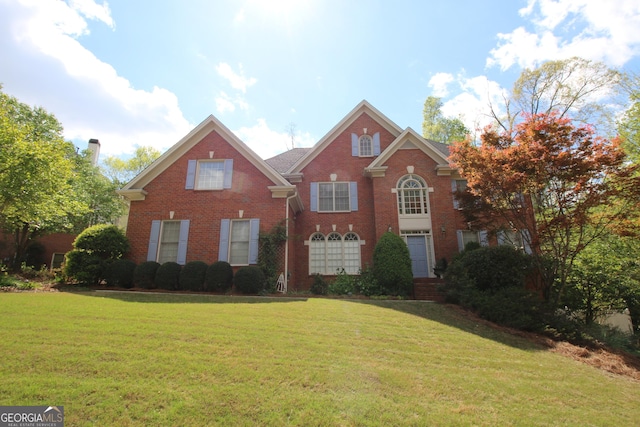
x: 426, y: 289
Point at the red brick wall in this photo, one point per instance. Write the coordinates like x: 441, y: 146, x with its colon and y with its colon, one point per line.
x: 336, y: 158
x: 377, y: 205
x: 204, y: 209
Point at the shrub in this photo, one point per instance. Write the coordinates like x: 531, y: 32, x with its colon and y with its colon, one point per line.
x: 219, y: 277
x: 491, y: 282
x: 105, y: 241
x: 84, y: 267
x: 319, y: 285
x: 366, y: 284
x: 144, y: 274
x: 392, y: 265
x: 343, y: 284
x: 192, y: 276
x: 249, y: 280
x: 120, y: 273
x: 168, y: 276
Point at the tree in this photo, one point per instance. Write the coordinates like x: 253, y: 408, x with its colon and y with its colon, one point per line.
x: 36, y: 173
x: 96, y: 191
x: 121, y: 171
x: 629, y: 123
x: 578, y: 88
x: 606, y: 276
x: 558, y: 185
x: 439, y: 128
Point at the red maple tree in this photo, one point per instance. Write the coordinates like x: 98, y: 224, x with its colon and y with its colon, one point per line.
x: 560, y: 185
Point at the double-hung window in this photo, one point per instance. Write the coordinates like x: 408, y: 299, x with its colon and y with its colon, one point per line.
x: 239, y: 241
x: 334, y: 196
x: 168, y: 241
x: 209, y: 174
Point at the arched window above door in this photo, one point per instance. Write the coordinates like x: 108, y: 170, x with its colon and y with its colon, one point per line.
x: 412, y: 195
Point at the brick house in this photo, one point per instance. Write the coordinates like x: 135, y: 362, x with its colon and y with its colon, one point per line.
x: 208, y: 197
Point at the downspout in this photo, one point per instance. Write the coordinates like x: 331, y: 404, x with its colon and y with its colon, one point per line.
x: 286, y: 243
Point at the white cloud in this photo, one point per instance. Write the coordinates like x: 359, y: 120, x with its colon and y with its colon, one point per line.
x: 92, y: 10
x: 472, y: 105
x: 593, y: 29
x: 237, y: 81
x: 267, y: 143
x: 439, y: 83
x: 225, y: 103
x: 44, y: 64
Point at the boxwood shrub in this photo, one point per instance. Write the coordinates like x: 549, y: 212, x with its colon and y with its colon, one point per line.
x: 192, y: 276
x: 84, y: 267
x: 249, y: 280
x: 144, y: 275
x: 219, y: 277
x: 168, y: 276
x: 120, y: 273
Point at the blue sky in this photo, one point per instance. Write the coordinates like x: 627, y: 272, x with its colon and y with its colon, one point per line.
x: 142, y: 72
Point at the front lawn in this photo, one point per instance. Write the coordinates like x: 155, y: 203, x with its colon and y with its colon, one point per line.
x: 131, y: 359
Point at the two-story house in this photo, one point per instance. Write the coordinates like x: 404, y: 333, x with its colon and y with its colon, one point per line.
x: 209, y: 196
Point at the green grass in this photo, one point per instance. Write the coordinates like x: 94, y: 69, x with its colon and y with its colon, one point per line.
x: 130, y: 359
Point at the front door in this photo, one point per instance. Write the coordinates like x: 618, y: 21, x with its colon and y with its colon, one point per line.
x: 418, y: 252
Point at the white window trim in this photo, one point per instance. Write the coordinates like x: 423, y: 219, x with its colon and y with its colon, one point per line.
x: 197, y: 177
x: 325, y: 260
x: 333, y: 184
x: 360, y: 139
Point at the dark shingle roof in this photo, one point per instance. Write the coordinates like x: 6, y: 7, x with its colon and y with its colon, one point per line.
x: 283, y: 162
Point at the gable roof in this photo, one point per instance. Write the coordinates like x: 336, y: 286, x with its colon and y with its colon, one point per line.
x: 411, y: 139
x: 134, y: 189
x: 362, y: 107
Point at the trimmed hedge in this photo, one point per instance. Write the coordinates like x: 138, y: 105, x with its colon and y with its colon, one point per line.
x: 249, y: 280
x: 120, y: 273
x: 105, y: 241
x: 84, y: 267
x: 192, y: 276
x: 219, y: 277
x: 168, y: 276
x: 144, y: 275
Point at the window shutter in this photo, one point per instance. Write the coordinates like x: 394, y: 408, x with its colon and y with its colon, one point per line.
x: 355, y: 149
x: 502, y: 238
x: 254, y: 236
x: 483, y: 236
x: 353, y: 187
x: 376, y: 144
x: 460, y: 240
x: 191, y: 175
x: 182, y: 242
x: 152, y: 252
x: 314, y: 197
x: 228, y: 173
x: 454, y: 188
x: 526, y: 241
x: 223, y: 249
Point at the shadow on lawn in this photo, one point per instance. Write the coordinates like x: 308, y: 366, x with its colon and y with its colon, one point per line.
x: 456, y: 317
x: 447, y: 315
x: 156, y: 296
